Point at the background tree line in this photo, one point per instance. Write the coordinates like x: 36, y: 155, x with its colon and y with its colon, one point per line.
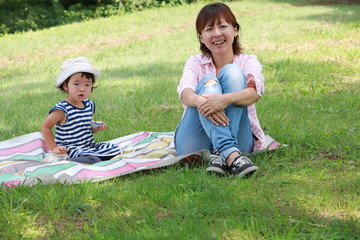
x: 24, y: 15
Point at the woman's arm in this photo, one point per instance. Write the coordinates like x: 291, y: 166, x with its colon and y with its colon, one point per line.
x: 244, y: 97
x: 218, y: 102
x: 191, y: 99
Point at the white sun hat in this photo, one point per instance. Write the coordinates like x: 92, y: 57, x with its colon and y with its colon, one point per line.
x: 75, y: 65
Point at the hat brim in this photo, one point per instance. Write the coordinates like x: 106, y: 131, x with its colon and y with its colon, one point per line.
x: 75, y: 69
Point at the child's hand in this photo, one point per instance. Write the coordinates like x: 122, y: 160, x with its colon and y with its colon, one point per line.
x: 59, y: 150
x: 102, y: 127
x: 98, y: 126
x: 95, y: 124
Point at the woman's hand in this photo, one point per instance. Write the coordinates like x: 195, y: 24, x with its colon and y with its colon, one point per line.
x: 219, y: 118
x: 208, y: 105
x: 213, y: 109
x: 214, y: 103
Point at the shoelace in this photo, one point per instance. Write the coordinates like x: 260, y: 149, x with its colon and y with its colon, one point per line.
x: 216, y: 160
x: 241, y: 160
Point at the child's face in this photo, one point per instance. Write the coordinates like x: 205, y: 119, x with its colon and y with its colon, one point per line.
x: 219, y: 37
x: 79, y: 87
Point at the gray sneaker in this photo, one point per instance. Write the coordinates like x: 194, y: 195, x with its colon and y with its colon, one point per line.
x: 217, y: 165
x: 242, y: 166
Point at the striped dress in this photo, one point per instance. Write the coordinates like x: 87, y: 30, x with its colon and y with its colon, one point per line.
x: 76, y: 133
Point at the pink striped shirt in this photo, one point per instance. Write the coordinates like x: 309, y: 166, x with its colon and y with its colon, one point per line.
x: 197, y: 66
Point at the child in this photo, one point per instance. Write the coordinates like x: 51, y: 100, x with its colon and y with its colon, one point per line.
x: 73, y: 117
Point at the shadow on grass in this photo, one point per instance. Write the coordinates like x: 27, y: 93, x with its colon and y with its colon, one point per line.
x: 184, y: 202
x: 318, y: 2
x: 224, y: 208
x: 25, y: 100
x: 345, y: 11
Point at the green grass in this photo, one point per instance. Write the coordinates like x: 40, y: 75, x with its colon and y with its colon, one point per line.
x: 310, y: 56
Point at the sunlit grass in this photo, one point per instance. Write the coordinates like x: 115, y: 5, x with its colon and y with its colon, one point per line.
x: 310, y: 190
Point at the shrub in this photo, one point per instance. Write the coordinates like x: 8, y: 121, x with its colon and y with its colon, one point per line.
x: 24, y: 15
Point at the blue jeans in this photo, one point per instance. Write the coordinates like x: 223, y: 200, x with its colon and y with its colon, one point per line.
x: 90, y: 159
x: 195, y: 132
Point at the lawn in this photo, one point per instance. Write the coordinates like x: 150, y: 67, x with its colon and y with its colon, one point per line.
x: 310, y: 190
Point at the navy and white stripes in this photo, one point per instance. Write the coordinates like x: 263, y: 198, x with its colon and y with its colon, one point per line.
x: 76, y: 133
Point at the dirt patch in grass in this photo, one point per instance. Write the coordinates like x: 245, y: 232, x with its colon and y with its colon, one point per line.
x: 350, y: 79
x: 99, y: 44
x: 329, y: 155
x: 71, y: 50
x: 167, y: 107
x: 339, y: 215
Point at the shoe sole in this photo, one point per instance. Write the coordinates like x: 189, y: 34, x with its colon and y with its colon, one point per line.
x: 247, y: 172
x: 216, y: 170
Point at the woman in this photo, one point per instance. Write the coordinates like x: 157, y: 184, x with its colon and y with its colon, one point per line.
x: 218, y: 90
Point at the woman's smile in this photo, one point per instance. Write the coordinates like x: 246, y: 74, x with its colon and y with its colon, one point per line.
x: 219, y: 38
x: 219, y: 42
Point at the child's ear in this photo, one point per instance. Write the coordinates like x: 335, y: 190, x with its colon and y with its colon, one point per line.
x: 65, y: 86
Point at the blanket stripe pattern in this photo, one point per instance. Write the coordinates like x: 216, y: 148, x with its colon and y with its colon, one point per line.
x: 20, y: 160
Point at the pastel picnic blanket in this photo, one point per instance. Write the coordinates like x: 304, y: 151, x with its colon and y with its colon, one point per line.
x: 20, y: 160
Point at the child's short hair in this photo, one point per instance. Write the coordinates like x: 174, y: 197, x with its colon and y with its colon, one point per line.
x: 76, y: 65
x: 83, y: 74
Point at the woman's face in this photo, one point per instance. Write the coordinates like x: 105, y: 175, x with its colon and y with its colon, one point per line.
x: 219, y: 38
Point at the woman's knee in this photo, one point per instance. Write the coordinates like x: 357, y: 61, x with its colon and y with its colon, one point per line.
x: 206, y: 78
x: 231, y: 69
x: 209, y: 84
x: 232, y: 75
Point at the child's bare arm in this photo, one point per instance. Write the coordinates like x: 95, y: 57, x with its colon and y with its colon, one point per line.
x: 57, y: 116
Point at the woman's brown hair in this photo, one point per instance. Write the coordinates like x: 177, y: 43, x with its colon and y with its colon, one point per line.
x: 209, y: 15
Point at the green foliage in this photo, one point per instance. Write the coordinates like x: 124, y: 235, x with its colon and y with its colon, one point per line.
x: 22, y: 15
x: 138, y: 5
x: 25, y: 15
